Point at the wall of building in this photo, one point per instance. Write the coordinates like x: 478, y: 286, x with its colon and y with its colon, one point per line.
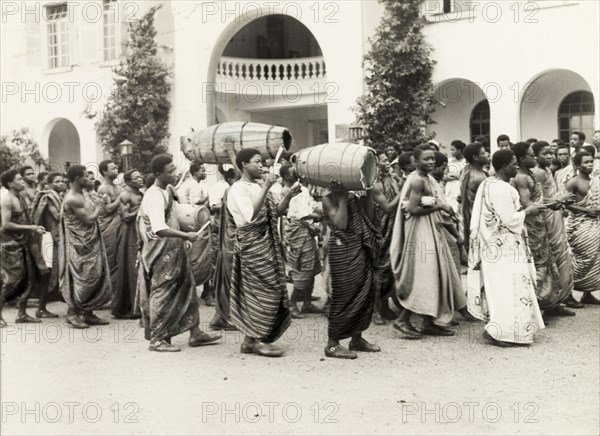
x: 503, y: 47
x: 208, y: 27
x: 39, y: 98
x: 492, y: 47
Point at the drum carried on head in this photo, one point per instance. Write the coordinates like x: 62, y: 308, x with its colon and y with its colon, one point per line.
x: 191, y: 217
x: 352, y: 167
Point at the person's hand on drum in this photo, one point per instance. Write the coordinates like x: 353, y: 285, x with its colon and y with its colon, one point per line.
x: 295, y: 189
x: 191, y: 236
x: 336, y: 188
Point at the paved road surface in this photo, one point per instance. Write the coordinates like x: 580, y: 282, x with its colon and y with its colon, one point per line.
x: 60, y: 381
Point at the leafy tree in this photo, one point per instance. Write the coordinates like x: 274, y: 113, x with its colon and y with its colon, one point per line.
x: 400, y: 94
x: 18, y: 149
x: 138, y: 108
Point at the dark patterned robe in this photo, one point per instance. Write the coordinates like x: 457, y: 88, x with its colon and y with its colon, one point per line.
x: 351, y: 255
x: 166, y: 286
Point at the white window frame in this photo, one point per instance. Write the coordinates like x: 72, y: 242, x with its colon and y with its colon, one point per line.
x: 52, y: 27
x: 111, y: 9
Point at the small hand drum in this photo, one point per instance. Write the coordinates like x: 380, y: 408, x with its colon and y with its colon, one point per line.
x: 192, y: 218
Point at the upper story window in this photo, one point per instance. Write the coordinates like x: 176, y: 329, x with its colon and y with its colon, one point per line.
x: 58, y: 36
x: 110, y: 30
x: 447, y: 6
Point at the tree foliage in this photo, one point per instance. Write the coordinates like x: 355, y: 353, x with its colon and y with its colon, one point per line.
x: 400, y: 94
x: 18, y: 149
x: 138, y: 108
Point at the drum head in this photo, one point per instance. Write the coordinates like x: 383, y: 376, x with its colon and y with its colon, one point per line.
x: 202, y: 216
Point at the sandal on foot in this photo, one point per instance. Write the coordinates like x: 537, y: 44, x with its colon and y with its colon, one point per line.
x: 163, y: 347
x: 204, y: 339
x: 363, y: 345
x: 339, y: 352
x: 27, y: 319
x: 436, y: 330
x: 44, y: 313
x: 409, y: 331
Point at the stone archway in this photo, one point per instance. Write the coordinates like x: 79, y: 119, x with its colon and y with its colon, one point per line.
x: 273, y: 48
x: 541, y: 99
x: 61, y: 139
x: 457, y: 98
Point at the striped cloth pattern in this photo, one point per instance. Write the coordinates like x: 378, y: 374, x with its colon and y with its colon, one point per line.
x: 258, y: 296
x: 201, y: 253
x: 583, y: 233
x: 302, y: 252
x: 224, y: 261
x: 166, y: 288
x: 383, y: 277
x: 351, y: 255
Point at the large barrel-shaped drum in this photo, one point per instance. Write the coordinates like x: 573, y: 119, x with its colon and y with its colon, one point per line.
x: 352, y: 166
x: 267, y: 139
x: 191, y: 218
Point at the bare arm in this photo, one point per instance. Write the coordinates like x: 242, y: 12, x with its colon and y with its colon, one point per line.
x: 6, y: 206
x: 378, y: 197
x: 54, y: 213
x: 591, y: 212
x: 125, y: 199
x: 417, y: 190
x: 229, y: 148
x: 523, y: 187
x: 338, y: 215
x: 77, y: 205
x: 109, y: 207
x: 573, y: 189
x: 172, y: 233
x: 30, y: 194
x: 283, y: 205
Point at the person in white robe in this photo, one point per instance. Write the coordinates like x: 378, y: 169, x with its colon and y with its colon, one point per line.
x: 501, y: 275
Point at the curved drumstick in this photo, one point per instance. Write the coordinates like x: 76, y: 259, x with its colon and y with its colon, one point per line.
x: 203, y: 227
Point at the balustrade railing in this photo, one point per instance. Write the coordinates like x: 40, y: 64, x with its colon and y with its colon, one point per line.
x: 241, y: 69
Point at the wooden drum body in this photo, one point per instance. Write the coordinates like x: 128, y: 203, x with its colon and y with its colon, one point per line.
x: 191, y: 218
x: 353, y: 167
x: 207, y: 146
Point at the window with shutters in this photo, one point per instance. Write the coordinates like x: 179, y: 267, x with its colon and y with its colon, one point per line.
x: 576, y: 113
x: 58, y: 36
x: 110, y: 27
x: 480, y: 120
x: 447, y: 6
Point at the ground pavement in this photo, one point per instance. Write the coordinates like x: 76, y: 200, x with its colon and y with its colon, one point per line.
x: 56, y: 380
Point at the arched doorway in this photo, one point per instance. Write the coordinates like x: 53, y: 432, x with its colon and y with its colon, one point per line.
x: 64, y: 147
x: 270, y: 70
x: 555, y: 103
x: 461, y: 112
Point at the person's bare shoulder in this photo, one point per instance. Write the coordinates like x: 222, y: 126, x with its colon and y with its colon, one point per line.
x: 520, y: 181
x: 416, y: 183
x: 571, y: 185
x: 103, y: 189
x: 5, y: 199
x: 124, y: 197
x: 74, y: 201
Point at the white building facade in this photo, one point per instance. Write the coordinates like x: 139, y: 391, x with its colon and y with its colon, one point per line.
x: 526, y: 69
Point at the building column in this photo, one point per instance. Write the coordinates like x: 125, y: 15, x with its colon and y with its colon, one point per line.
x: 504, y: 115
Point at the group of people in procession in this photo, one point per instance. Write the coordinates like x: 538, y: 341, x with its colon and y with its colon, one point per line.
x: 524, y: 224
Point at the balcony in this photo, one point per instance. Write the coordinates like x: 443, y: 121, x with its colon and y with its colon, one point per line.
x: 275, y: 78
